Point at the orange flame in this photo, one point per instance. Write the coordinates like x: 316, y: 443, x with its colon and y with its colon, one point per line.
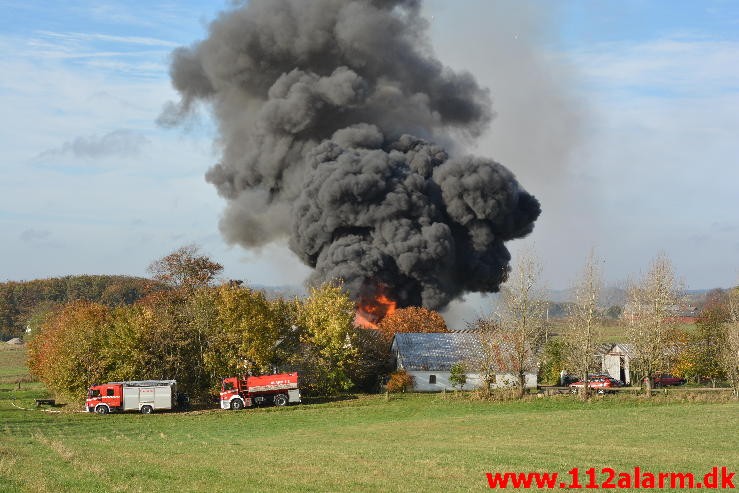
x: 370, y: 312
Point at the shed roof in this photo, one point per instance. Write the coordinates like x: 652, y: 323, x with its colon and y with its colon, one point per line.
x: 618, y: 348
x: 436, y: 351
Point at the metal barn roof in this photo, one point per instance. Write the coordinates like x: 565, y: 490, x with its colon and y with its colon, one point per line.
x: 436, y: 351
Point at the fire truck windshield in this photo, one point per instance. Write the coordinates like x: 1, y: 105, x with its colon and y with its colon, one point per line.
x: 228, y: 386
x: 93, y: 393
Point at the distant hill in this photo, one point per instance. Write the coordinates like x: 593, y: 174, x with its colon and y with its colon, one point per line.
x: 612, y: 296
x: 21, y: 301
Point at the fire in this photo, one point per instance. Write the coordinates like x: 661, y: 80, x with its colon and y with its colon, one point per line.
x: 371, y: 311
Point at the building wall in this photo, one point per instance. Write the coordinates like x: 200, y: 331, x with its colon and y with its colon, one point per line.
x: 612, y: 366
x: 503, y: 380
x: 421, y: 381
x: 474, y: 381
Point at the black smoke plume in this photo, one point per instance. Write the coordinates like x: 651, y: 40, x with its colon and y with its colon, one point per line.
x: 328, y: 111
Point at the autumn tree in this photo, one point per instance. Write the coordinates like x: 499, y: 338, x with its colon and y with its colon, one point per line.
x: 583, y: 323
x: 513, y: 337
x: 399, y: 381
x: 709, y: 340
x: 730, y: 352
x: 165, y: 336
x: 412, y: 319
x: 699, y: 357
x: 373, y: 360
x: 328, y: 351
x: 165, y: 347
x: 185, y: 267
x: 552, y: 361
x: 67, y: 353
x: 649, y: 313
x: 125, y: 351
x: 247, y: 333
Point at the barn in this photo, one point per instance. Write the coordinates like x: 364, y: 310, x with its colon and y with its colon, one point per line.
x: 428, y: 358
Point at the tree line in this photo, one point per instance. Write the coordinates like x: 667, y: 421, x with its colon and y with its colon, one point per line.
x: 23, y: 303
x: 198, y: 336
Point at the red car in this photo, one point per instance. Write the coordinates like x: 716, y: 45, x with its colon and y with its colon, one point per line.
x: 602, y: 384
x: 665, y: 379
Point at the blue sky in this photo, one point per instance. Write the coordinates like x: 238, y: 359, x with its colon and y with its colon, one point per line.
x: 620, y: 116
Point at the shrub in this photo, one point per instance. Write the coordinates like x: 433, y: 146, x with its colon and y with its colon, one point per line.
x: 399, y: 381
x: 458, y: 375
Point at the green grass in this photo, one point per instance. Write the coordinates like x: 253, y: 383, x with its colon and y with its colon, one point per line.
x: 411, y: 443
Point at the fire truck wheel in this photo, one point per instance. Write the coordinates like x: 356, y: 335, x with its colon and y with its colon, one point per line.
x: 146, y: 409
x: 237, y: 404
x: 281, y: 400
x: 101, y: 410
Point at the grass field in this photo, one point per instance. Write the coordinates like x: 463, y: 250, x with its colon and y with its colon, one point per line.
x: 411, y: 443
x: 12, y: 363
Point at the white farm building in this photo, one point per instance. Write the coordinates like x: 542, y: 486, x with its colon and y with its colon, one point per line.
x: 616, y: 361
x: 428, y: 358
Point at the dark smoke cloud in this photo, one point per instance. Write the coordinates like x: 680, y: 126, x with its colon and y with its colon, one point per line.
x: 328, y: 111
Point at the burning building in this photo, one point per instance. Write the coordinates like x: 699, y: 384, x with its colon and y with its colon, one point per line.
x: 330, y: 114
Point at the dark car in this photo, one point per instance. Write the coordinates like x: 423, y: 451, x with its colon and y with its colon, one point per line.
x: 568, y: 378
x: 665, y: 379
x: 601, y: 383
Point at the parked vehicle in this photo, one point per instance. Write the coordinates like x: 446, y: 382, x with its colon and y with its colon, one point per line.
x: 145, y: 396
x: 279, y: 389
x: 666, y: 379
x: 601, y: 383
x: 568, y: 378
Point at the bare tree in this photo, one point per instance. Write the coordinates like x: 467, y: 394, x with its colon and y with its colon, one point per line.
x: 650, y: 314
x: 730, y: 353
x: 584, y: 322
x: 185, y: 267
x: 493, y: 351
x: 520, y: 320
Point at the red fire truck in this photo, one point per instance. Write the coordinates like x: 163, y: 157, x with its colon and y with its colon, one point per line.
x: 280, y: 389
x: 145, y: 396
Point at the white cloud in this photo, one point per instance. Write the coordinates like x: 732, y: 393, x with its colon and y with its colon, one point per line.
x: 663, y: 153
x: 122, y: 142
x: 75, y: 38
x: 685, y: 67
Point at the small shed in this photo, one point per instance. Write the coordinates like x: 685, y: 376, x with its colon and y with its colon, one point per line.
x: 15, y: 342
x: 616, y: 360
x: 428, y: 358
